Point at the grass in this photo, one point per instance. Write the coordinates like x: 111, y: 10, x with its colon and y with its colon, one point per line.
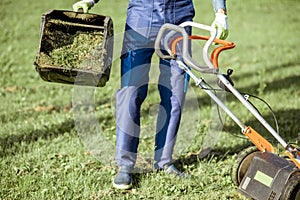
x: 44, y: 157
x: 75, y: 53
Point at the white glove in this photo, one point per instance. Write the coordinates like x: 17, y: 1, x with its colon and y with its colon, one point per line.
x: 220, y: 23
x: 85, y: 5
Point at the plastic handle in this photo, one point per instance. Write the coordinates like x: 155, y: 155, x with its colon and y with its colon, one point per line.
x: 173, y: 29
x: 214, y: 56
x: 170, y: 47
x: 210, y: 40
x: 213, y: 33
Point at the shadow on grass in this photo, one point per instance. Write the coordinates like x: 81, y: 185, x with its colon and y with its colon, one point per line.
x: 275, y: 85
x: 288, y: 125
x: 280, y: 67
x: 11, y: 144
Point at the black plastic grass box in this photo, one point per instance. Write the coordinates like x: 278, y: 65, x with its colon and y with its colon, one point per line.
x: 75, y: 48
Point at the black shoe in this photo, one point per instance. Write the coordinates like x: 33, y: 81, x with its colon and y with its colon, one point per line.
x: 123, y: 180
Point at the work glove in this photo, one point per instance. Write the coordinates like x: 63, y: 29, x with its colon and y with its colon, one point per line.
x: 85, y: 5
x: 220, y: 23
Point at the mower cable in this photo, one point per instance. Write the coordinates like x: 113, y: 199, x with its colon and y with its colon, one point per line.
x: 247, y: 98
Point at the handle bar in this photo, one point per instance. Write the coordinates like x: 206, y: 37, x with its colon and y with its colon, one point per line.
x: 211, y: 67
x: 215, y: 54
x: 159, y: 37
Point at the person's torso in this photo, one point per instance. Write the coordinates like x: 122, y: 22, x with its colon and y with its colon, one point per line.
x: 146, y: 13
x: 145, y: 17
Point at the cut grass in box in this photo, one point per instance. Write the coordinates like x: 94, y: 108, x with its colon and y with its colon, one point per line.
x: 75, y: 48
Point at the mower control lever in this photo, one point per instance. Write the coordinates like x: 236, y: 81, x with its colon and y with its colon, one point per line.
x: 227, y: 76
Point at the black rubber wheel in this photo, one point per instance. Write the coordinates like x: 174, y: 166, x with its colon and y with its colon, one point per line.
x: 240, y: 167
x: 291, y: 190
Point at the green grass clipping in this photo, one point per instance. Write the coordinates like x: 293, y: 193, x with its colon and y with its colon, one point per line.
x: 71, y: 50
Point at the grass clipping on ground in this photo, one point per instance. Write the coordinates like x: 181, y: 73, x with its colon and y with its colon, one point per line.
x: 82, y: 50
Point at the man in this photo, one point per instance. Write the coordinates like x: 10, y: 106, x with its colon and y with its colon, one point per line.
x: 144, y: 18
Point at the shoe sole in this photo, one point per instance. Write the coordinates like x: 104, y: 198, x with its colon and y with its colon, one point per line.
x: 122, y: 186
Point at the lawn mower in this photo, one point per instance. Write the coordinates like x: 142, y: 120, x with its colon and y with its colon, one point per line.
x: 259, y: 172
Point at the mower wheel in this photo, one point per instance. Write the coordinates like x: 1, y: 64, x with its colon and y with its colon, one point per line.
x: 291, y: 190
x: 241, y: 165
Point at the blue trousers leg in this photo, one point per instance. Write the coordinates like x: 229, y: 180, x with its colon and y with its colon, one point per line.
x: 171, y: 84
x: 135, y: 67
x: 128, y: 103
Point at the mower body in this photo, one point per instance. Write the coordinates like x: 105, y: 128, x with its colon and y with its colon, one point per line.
x: 267, y: 177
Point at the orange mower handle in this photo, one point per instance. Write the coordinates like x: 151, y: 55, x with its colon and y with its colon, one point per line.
x: 214, y: 55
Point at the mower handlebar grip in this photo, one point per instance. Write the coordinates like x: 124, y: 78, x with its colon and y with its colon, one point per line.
x: 215, y: 54
x: 163, y: 39
x: 159, y: 39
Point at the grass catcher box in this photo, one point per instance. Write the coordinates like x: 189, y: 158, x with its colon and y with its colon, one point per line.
x: 270, y: 177
x: 75, y: 48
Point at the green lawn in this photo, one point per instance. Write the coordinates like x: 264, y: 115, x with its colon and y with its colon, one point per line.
x: 44, y: 157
